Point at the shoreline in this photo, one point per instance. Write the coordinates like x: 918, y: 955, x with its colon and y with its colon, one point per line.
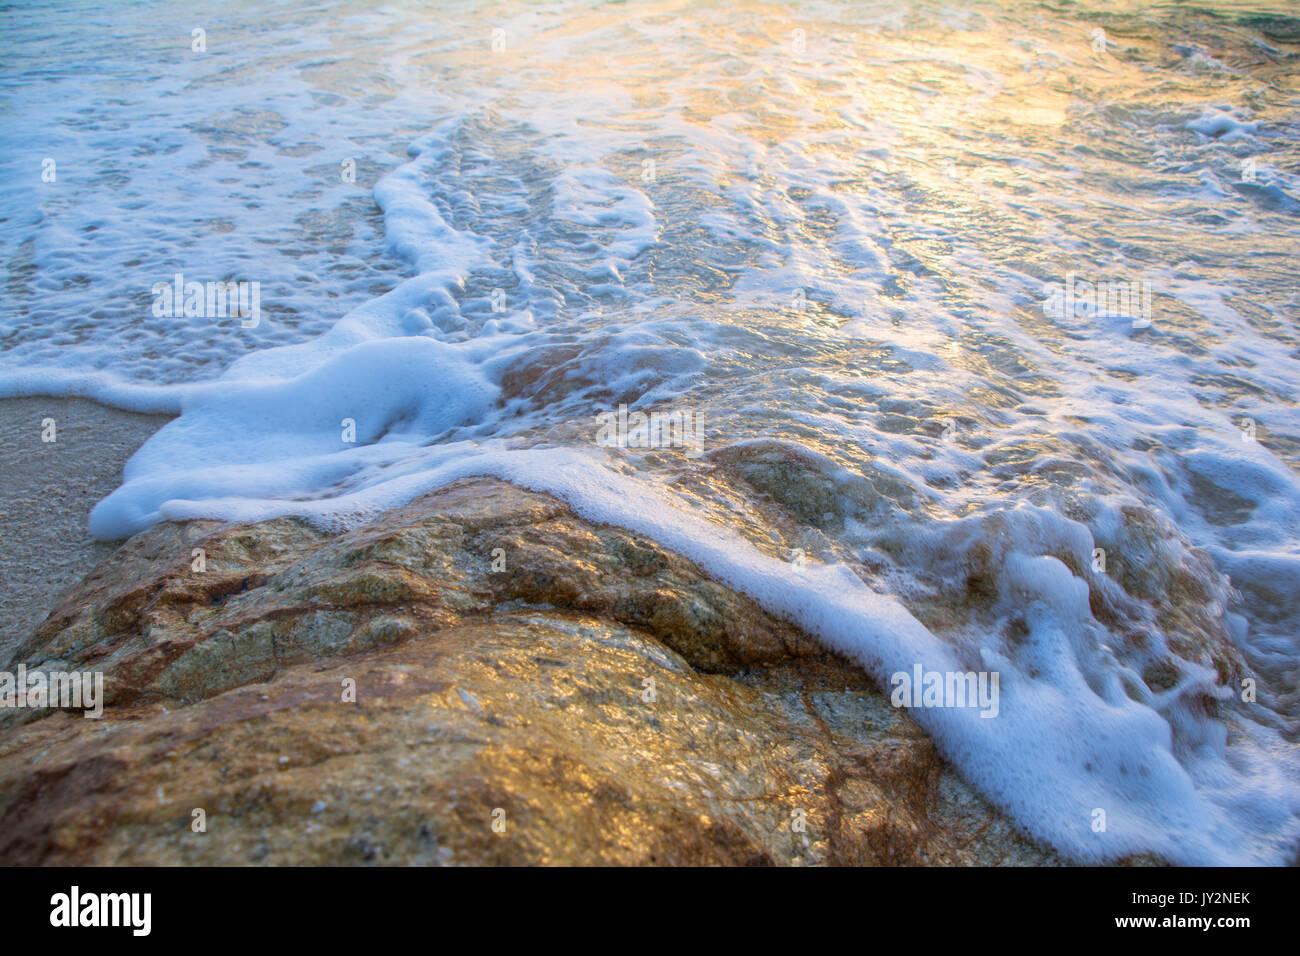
x: 50, y: 489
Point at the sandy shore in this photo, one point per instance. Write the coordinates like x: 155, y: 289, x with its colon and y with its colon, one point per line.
x: 48, y: 492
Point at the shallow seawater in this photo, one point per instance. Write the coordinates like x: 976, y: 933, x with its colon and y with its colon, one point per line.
x: 986, y: 310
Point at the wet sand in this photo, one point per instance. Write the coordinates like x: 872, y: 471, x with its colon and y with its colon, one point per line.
x: 49, y: 490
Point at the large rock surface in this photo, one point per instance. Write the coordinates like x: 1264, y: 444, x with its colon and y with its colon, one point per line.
x: 598, y: 699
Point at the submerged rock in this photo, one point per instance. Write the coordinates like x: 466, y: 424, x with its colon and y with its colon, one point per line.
x: 478, y: 677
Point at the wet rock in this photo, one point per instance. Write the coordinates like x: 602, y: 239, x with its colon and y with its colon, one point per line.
x: 479, y: 677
